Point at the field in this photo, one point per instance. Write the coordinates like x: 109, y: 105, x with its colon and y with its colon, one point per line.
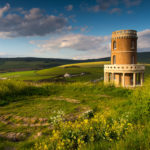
x: 31, y: 63
x: 77, y: 112
x: 90, y: 70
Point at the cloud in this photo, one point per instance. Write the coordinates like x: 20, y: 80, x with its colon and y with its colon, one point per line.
x: 73, y: 18
x: 103, y: 5
x: 31, y: 23
x: 88, y: 47
x: 5, y: 35
x: 84, y: 29
x: 4, y: 9
x: 144, y: 40
x: 129, y: 12
x: 130, y: 3
x: 69, y: 7
x: 96, y: 46
x: 115, y: 10
x: 111, y: 5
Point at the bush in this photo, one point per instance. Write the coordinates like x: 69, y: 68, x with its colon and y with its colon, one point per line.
x: 73, y: 135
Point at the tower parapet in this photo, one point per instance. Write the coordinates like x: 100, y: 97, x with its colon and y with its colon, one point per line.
x: 124, y: 34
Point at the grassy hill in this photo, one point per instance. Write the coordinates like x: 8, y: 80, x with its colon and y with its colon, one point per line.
x: 74, y: 112
x: 31, y: 63
x: 83, y: 72
x: 77, y: 115
x: 79, y: 71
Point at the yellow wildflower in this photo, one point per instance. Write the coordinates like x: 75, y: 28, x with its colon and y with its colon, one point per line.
x: 86, y: 121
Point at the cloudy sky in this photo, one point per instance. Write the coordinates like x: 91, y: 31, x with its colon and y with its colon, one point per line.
x: 74, y: 29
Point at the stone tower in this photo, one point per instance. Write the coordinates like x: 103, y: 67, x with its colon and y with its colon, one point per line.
x: 124, y: 70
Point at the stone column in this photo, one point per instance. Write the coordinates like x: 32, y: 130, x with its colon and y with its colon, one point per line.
x: 104, y: 77
x: 142, y: 74
x: 112, y: 77
x: 134, y: 79
x: 123, y: 80
x: 108, y: 77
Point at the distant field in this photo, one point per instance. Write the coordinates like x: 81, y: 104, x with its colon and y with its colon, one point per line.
x: 29, y: 63
x: 90, y: 71
x: 83, y: 72
x: 87, y: 64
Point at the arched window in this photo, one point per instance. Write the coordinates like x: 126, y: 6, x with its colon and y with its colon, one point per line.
x: 114, y: 45
x: 132, y: 60
x: 114, y: 59
x: 132, y: 44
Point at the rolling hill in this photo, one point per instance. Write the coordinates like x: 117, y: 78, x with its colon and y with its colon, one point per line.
x: 31, y: 63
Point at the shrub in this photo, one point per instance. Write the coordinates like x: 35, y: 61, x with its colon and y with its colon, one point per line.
x: 73, y: 135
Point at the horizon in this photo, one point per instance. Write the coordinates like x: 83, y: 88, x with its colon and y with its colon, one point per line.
x: 69, y: 29
x: 62, y: 58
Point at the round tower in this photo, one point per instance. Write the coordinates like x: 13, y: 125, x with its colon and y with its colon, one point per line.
x: 124, y: 69
x: 124, y: 47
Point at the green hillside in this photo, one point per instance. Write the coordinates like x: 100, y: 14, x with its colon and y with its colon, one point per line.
x: 71, y: 113
x: 29, y: 63
x: 79, y: 72
x: 86, y: 116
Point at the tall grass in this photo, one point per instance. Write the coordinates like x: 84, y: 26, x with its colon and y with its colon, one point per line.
x: 125, y: 129
x: 12, y: 90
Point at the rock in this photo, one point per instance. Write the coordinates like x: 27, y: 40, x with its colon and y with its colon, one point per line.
x: 33, y: 120
x: 37, y: 135
x: 82, y: 74
x: 67, y: 75
x: 43, y: 119
x: 95, y: 81
x: 13, y: 136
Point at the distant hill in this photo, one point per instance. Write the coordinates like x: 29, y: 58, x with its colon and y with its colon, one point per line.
x: 32, y: 63
x: 144, y: 57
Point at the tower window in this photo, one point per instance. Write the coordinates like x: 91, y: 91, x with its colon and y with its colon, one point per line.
x: 114, y: 59
x: 114, y: 45
x: 132, y: 44
x: 132, y: 60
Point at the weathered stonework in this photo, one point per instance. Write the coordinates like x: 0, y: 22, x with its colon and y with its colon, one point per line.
x: 124, y: 70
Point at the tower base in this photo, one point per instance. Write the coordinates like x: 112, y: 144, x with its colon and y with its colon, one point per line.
x: 124, y: 75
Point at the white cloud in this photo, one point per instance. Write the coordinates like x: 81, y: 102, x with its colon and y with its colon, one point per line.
x: 130, y: 3
x: 84, y: 29
x: 4, y: 9
x: 69, y: 7
x: 77, y: 42
x: 30, y: 23
x: 144, y: 40
x: 115, y: 10
x: 93, y: 46
x: 110, y: 5
x: 88, y: 46
x: 5, y: 35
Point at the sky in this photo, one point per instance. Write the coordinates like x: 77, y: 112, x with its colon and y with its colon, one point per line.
x: 72, y: 29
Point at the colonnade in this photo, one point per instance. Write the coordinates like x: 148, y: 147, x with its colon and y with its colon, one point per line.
x: 109, y: 77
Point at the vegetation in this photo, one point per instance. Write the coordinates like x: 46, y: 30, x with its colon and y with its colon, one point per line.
x: 30, y: 63
x: 74, y: 115
x: 90, y: 70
